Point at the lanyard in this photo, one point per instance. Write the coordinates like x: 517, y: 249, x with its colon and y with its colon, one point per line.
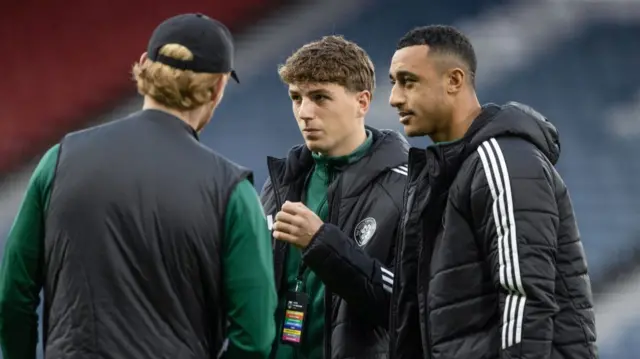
x: 302, y: 268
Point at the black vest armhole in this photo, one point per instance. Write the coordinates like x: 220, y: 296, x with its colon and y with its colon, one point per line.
x: 55, y: 176
x: 241, y: 176
x: 249, y: 177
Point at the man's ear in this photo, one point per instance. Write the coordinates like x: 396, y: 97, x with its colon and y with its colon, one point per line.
x: 364, y: 101
x: 143, y: 57
x: 218, y: 88
x: 456, y: 78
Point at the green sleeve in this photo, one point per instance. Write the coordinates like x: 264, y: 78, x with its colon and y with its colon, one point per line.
x: 248, y: 276
x: 21, y: 273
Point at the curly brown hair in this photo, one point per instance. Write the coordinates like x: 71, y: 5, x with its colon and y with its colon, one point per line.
x: 332, y: 59
x: 178, y: 89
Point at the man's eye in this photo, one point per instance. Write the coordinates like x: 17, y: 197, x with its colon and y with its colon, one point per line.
x: 407, y: 82
x: 319, y: 98
x: 295, y: 98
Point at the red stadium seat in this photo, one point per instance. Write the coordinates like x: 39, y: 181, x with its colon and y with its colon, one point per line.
x: 64, y: 62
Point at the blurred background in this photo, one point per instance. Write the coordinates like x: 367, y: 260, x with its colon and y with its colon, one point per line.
x: 66, y: 65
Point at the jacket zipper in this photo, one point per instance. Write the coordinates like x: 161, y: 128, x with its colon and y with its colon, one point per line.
x: 332, y: 214
x: 432, y: 234
x: 399, y: 241
x: 427, y: 260
x: 276, y: 193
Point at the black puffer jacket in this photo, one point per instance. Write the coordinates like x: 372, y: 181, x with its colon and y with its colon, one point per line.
x: 490, y: 264
x: 357, y: 270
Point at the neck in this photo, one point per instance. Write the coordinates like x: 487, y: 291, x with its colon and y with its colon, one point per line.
x: 350, y: 144
x: 461, y: 119
x: 189, y: 117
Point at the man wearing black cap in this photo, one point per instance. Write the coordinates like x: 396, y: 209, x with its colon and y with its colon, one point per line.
x: 147, y: 244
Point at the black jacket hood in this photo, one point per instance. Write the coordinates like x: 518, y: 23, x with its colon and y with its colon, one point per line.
x: 516, y: 120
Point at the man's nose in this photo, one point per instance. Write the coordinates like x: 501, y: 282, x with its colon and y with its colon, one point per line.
x: 396, y: 99
x: 306, y: 110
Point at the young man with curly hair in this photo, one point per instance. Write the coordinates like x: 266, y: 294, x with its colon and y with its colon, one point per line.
x: 147, y: 243
x: 335, y: 205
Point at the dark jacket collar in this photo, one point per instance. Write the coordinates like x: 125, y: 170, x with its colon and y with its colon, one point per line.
x: 511, y: 120
x: 388, y: 150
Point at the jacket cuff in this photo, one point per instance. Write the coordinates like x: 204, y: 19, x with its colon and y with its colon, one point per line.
x: 328, y: 242
x: 315, y: 242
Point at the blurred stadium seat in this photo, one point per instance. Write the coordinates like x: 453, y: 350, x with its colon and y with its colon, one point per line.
x: 64, y: 63
x: 581, y: 73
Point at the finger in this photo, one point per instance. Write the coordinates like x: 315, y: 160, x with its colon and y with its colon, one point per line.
x: 285, y: 217
x: 292, y: 219
x: 286, y: 228
x: 285, y: 237
x: 295, y: 208
x: 289, y: 207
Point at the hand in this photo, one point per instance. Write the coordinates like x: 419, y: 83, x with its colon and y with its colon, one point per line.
x: 296, y: 224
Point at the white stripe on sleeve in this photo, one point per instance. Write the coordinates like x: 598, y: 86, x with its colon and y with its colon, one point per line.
x: 387, y: 279
x: 495, y: 169
x: 403, y: 170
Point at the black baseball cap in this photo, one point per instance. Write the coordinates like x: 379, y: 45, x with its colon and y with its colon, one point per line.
x: 208, y: 39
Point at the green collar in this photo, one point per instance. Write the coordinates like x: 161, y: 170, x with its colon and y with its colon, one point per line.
x: 354, y: 156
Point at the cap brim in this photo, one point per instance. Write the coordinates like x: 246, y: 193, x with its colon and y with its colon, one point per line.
x: 235, y: 76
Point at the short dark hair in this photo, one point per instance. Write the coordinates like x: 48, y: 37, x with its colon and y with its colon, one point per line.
x: 332, y: 59
x: 443, y: 39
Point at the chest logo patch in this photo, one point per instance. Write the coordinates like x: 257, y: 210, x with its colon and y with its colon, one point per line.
x: 364, y: 231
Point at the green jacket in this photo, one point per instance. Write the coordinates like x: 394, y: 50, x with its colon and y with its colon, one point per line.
x: 247, y: 240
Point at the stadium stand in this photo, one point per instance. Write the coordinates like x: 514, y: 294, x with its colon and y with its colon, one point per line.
x: 575, y: 86
x: 69, y: 62
x: 618, y: 317
x: 625, y: 347
x: 585, y: 82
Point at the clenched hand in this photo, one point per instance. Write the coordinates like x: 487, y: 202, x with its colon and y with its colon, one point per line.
x: 296, y: 224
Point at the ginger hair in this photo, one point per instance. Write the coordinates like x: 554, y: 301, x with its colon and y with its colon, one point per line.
x: 178, y: 89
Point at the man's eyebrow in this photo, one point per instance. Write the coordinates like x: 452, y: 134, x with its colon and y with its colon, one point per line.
x: 318, y: 92
x: 405, y: 73
x: 402, y: 74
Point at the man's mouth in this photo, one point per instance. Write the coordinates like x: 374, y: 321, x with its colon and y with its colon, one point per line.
x: 404, y: 116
